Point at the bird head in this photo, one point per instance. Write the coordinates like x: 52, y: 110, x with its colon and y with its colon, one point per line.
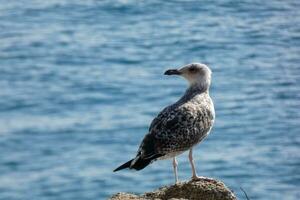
x: 197, y: 74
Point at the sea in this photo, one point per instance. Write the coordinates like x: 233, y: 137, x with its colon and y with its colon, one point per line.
x: 81, y: 81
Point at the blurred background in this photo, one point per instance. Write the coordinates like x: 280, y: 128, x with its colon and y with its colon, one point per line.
x: 81, y: 81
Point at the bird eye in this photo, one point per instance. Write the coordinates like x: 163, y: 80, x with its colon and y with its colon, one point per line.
x: 193, y: 69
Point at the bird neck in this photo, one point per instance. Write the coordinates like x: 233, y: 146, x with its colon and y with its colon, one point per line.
x: 197, y: 89
x: 200, y: 85
x: 193, y: 91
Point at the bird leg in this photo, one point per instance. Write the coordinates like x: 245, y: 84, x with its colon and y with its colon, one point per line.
x: 194, y: 173
x: 195, y: 177
x: 175, y: 164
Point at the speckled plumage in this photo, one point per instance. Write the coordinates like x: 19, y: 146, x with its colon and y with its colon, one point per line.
x: 180, y: 126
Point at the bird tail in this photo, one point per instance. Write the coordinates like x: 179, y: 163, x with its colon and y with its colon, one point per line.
x: 137, y: 163
x: 124, y: 166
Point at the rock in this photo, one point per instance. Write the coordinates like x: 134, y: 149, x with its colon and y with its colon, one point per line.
x: 203, y: 189
x: 125, y: 196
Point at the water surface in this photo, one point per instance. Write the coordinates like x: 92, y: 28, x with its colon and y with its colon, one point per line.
x: 81, y: 81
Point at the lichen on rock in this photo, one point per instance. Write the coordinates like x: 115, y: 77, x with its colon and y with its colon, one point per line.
x: 192, y: 190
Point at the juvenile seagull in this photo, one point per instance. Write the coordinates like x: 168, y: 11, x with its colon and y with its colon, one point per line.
x: 180, y: 126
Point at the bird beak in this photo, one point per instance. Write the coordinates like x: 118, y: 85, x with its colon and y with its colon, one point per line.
x: 172, y: 72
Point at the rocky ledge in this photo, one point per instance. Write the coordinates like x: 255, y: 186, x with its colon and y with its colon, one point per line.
x: 204, y: 189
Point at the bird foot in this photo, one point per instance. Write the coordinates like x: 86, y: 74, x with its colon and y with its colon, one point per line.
x: 202, y: 178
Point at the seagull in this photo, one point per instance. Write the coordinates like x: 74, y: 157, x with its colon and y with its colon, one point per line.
x: 180, y: 126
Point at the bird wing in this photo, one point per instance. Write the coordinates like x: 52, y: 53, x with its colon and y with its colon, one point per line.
x: 177, y: 128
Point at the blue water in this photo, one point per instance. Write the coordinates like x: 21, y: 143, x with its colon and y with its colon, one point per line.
x: 81, y: 81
